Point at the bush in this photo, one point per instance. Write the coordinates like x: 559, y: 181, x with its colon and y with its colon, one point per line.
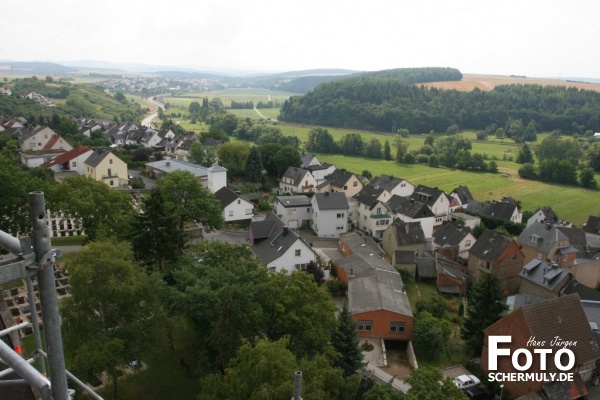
x: 264, y: 205
x: 336, y: 287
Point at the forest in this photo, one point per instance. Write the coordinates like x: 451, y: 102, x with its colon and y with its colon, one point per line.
x: 387, y: 104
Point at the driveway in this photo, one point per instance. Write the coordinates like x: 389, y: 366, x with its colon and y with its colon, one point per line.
x: 150, y: 183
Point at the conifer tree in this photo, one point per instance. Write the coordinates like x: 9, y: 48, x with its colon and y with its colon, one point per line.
x: 254, y: 167
x: 345, y: 341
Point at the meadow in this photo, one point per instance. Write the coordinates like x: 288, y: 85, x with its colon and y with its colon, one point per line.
x: 570, y: 203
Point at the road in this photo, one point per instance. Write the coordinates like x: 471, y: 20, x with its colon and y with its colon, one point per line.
x: 148, y: 120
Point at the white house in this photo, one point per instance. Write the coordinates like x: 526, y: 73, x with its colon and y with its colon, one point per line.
x: 38, y: 137
x: 214, y: 178
x: 294, y: 211
x: 393, y: 185
x: 297, y: 180
x: 330, y: 214
x: 72, y: 160
x: 409, y: 210
x: 544, y: 214
x: 437, y: 201
x: 371, y: 213
x: 278, y: 247
x: 341, y: 180
x: 233, y: 206
x: 450, y: 235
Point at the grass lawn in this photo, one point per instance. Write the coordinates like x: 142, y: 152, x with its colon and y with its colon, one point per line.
x: 69, y: 241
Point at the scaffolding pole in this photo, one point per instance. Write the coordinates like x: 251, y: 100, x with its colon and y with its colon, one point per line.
x: 45, y: 258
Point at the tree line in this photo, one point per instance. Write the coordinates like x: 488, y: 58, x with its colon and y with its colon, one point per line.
x: 383, y: 104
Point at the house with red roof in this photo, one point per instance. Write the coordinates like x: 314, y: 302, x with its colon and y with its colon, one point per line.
x: 72, y: 160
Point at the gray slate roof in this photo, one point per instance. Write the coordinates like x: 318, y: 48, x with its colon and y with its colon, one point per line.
x: 369, y: 194
x: 388, y: 182
x: 490, y: 245
x: 407, y: 232
x: 375, y: 284
x: 496, y: 209
x: 226, y: 196
x: 541, y: 236
x: 543, y: 273
x: 331, y: 201
x: 409, y: 207
x: 426, y: 267
x: 269, y: 240
x: 338, y: 178
x: 295, y: 174
x: 592, y: 225
x: 96, y: 157
x: 427, y: 195
x: 464, y: 194
x: 450, y: 235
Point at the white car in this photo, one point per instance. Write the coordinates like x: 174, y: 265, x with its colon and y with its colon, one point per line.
x: 465, y: 382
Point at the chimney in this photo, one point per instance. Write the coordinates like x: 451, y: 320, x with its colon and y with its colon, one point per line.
x: 411, y: 200
x: 168, y: 164
x: 406, y: 228
x: 284, y: 230
x: 548, y: 226
x: 99, y: 150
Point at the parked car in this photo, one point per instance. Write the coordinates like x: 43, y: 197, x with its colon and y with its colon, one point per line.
x: 135, y: 363
x: 465, y: 382
x: 479, y: 393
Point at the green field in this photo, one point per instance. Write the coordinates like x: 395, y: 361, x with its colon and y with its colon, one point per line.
x: 571, y: 203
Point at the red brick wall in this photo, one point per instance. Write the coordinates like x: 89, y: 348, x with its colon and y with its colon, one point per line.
x: 381, y: 324
x: 513, y: 325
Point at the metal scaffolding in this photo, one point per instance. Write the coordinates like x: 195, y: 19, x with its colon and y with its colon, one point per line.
x: 35, y: 258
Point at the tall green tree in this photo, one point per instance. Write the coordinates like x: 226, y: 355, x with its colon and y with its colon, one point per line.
x: 221, y: 288
x: 233, y: 156
x: 157, y: 237
x: 265, y: 370
x: 113, y: 312
x: 192, y: 201
x: 103, y: 212
x: 430, y: 335
x: 525, y: 155
x: 254, y: 167
x: 387, y: 151
x: 587, y: 178
x: 298, y: 308
x: 345, y: 341
x: 373, y: 149
x: 401, y: 148
x: 383, y: 392
x: 485, y: 307
x: 425, y: 385
x: 285, y: 157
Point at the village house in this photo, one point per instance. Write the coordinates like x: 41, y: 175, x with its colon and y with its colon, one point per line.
x: 543, y: 278
x: 295, y: 211
x: 498, y: 254
x: 450, y: 235
x: 371, y: 214
x: 505, y: 209
x: 104, y: 166
x: 437, y: 201
x: 234, y: 207
x: 408, y: 210
x: 543, y: 215
x: 317, y: 169
x: 70, y: 161
x: 377, y: 296
x: 278, y: 247
x: 214, y: 178
x: 544, y: 322
x: 451, y: 278
x: 330, y: 214
x: 341, y: 180
x: 297, y: 180
x: 459, y: 198
x: 406, y: 236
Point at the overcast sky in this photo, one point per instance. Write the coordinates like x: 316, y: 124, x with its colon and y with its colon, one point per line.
x: 543, y: 38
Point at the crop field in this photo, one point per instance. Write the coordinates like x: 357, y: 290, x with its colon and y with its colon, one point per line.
x: 489, y: 82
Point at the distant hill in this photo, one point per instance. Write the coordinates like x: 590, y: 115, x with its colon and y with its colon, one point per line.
x: 33, y: 68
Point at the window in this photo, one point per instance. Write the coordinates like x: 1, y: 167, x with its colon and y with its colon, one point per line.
x: 339, y: 228
x: 297, y: 253
x: 239, y: 201
x: 308, y: 210
x: 73, y: 163
x: 364, y: 326
x: 340, y: 215
x: 110, y: 183
x: 467, y: 243
x: 403, y: 185
x: 355, y: 183
x: 382, y: 222
x: 378, y: 210
x: 231, y: 213
x: 110, y: 161
x: 109, y: 172
x: 397, y: 326
x: 248, y: 211
x: 345, y: 187
x: 514, y: 257
x: 438, y: 219
x: 289, y: 211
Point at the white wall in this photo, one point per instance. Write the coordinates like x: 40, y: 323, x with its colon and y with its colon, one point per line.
x: 288, y: 260
x: 237, y: 212
x: 294, y: 219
